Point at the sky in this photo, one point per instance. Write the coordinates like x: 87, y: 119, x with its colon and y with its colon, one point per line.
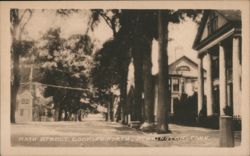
x: 182, y: 34
x: 75, y: 23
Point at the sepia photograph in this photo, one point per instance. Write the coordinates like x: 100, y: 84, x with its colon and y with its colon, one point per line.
x: 124, y: 79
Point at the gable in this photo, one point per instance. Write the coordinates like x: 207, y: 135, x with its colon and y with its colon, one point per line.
x: 25, y: 94
x: 224, y: 21
x: 184, y: 66
x: 214, y: 22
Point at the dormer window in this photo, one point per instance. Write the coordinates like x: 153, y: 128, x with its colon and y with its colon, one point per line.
x: 212, y: 23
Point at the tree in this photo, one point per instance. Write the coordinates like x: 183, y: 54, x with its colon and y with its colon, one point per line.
x: 111, y: 69
x: 143, y: 26
x: 66, y: 63
x: 164, y: 17
x: 120, y: 47
x: 162, y: 114
x: 140, y: 27
x: 19, y: 46
x: 110, y: 16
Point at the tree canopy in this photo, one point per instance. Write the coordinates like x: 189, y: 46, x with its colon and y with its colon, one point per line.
x: 66, y: 63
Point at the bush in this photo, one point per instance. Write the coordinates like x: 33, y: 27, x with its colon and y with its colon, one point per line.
x: 186, y: 109
x: 228, y: 110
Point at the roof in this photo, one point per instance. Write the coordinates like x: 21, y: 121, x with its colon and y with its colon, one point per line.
x: 232, y: 16
x: 184, y: 58
x: 194, y: 64
x: 176, y: 62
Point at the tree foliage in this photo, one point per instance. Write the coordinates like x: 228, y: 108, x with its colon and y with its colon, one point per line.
x: 66, y: 62
x: 109, y: 60
x: 137, y: 28
x: 110, y: 16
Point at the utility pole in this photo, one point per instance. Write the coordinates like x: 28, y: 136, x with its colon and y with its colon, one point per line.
x: 31, y: 88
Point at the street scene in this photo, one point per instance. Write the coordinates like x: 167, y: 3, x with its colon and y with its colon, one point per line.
x: 126, y: 78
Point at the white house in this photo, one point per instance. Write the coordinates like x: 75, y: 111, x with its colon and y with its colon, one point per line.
x: 218, y: 43
x: 183, y: 77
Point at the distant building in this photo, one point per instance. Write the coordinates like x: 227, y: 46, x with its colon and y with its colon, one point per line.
x: 218, y: 42
x: 183, y: 77
x: 24, y: 107
x: 31, y: 105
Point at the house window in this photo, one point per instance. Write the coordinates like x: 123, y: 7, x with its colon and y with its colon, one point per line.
x: 215, y: 64
x: 213, y: 23
x: 25, y: 101
x: 170, y: 83
x: 176, y: 84
x: 21, y: 112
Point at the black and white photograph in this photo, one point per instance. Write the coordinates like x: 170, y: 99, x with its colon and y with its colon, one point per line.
x: 136, y: 77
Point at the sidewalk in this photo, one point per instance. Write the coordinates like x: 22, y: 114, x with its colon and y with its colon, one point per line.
x: 95, y: 132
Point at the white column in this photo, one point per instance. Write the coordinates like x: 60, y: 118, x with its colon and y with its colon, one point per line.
x: 200, y: 85
x: 172, y: 105
x: 229, y: 95
x: 129, y: 119
x: 156, y: 102
x: 223, y: 79
x: 209, y: 86
x: 172, y: 102
x: 180, y: 85
x: 236, y: 76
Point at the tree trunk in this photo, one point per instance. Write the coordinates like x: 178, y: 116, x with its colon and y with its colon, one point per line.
x: 123, y: 97
x: 16, y: 35
x: 13, y: 104
x: 58, y: 114
x: 15, y: 85
x: 148, y: 88
x: 123, y: 87
x: 111, y: 116
x: 137, y: 61
x: 108, y: 110
x: 163, y: 92
x: 118, y: 113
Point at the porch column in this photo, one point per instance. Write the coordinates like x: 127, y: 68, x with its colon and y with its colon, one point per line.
x: 222, y: 79
x: 172, y: 106
x: 209, y: 86
x: 236, y: 76
x: 171, y: 97
x: 200, y: 85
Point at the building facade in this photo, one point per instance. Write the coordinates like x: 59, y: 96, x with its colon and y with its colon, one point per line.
x: 183, y: 79
x: 24, y: 107
x: 31, y: 105
x: 218, y: 43
x: 183, y: 75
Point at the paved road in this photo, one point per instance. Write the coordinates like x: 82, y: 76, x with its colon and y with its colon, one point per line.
x: 95, y: 132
